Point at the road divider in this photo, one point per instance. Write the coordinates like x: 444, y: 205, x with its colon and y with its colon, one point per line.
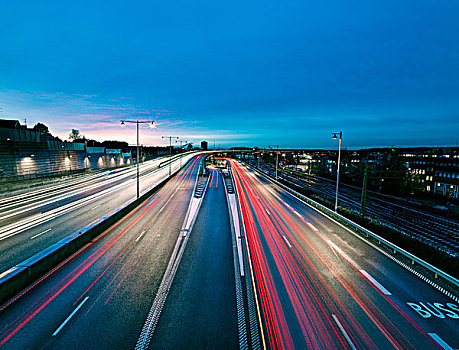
x: 23, y: 274
x: 196, y: 199
x: 257, y: 338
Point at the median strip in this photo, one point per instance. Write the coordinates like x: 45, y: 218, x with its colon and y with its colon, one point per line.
x: 157, y: 306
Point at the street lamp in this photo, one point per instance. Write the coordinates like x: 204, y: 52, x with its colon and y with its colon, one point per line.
x: 339, y: 160
x: 277, y: 156
x: 181, y: 142
x: 170, y: 149
x: 137, y: 122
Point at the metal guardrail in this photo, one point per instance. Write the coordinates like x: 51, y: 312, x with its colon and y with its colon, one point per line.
x: 392, y: 246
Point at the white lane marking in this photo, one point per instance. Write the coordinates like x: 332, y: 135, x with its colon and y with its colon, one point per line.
x: 32, y: 221
x: 343, y: 254
x: 140, y: 236
x: 40, y: 233
x: 440, y: 341
x: 97, y: 206
x: 267, y: 212
x: 297, y: 214
x: 351, y: 344
x: 68, y: 318
x: 172, y: 195
x: 160, y: 210
x: 376, y: 283
x: 286, y: 241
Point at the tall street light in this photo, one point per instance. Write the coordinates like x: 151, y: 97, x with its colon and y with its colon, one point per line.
x: 170, y: 149
x: 181, y: 142
x: 277, y: 156
x: 137, y: 122
x: 339, y: 160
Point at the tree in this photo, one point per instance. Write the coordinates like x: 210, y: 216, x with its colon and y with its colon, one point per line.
x: 75, y: 135
x: 41, y: 128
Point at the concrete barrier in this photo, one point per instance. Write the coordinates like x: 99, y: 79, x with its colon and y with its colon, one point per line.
x: 23, y: 274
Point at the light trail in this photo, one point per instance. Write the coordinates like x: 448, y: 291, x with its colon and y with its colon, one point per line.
x: 137, y: 214
x: 291, y: 277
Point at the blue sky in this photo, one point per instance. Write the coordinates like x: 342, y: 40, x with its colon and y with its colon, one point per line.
x: 238, y: 72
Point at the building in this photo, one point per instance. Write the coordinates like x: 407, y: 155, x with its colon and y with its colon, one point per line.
x: 434, y: 170
x: 27, y: 153
x: 204, y: 145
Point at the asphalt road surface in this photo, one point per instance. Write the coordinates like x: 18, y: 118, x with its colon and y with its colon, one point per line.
x: 322, y: 287
x: 100, y: 297
x: 32, y: 221
x: 200, y: 311
x: 405, y: 216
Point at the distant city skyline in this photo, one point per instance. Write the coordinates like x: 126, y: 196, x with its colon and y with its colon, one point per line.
x: 242, y: 74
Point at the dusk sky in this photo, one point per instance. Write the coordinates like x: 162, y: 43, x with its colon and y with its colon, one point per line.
x: 248, y: 73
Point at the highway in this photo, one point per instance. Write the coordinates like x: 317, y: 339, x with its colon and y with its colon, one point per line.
x: 317, y: 285
x: 200, y: 312
x: 101, y: 296
x: 402, y: 215
x: 321, y: 287
x: 34, y: 220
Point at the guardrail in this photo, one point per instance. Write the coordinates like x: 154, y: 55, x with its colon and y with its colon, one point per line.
x: 23, y: 274
x: 414, y: 259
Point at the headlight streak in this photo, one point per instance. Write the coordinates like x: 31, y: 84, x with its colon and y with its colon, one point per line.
x: 37, y: 219
x: 302, y: 272
x: 278, y: 329
x: 10, y: 330
x: 186, y: 177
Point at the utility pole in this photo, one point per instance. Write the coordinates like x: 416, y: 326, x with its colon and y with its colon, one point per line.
x: 170, y: 149
x: 339, y: 161
x: 137, y: 122
x: 364, y: 190
x: 181, y: 142
x: 277, y: 156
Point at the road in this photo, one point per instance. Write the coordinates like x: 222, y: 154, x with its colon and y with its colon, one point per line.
x: 402, y: 215
x: 100, y: 297
x: 321, y: 287
x: 200, y: 312
x: 32, y: 221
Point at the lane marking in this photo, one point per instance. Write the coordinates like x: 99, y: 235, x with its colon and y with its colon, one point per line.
x: 351, y: 344
x: 286, y: 241
x: 68, y: 318
x: 140, y: 236
x: 149, y: 326
x: 295, y: 195
x: 267, y: 212
x: 376, y: 283
x: 440, y: 341
x: 346, y: 257
x: 40, y: 233
x: 97, y: 206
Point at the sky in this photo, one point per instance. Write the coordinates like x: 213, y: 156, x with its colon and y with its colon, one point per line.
x: 237, y: 73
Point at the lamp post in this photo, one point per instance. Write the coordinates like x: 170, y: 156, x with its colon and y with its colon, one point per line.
x: 181, y: 142
x: 339, y: 160
x: 277, y: 156
x: 137, y: 122
x: 170, y: 149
